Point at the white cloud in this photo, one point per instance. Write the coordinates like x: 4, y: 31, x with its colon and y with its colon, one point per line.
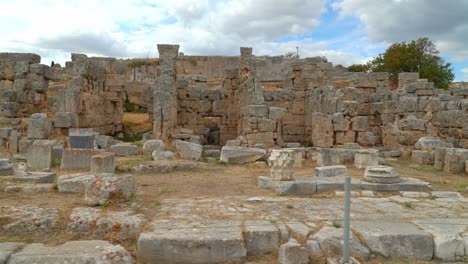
x: 444, y: 22
x: 54, y: 29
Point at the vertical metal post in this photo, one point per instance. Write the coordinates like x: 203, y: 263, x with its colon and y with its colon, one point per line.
x: 347, y: 187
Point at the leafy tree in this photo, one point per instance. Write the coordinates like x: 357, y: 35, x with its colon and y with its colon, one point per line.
x: 416, y: 56
x: 358, y: 68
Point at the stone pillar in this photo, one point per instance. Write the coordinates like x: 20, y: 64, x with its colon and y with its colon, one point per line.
x: 165, y: 94
x: 281, y: 164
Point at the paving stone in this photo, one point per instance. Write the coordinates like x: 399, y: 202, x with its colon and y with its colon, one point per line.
x: 298, y: 230
x: 445, y: 194
x: 27, y: 219
x: 293, y: 253
x: 330, y: 240
x: 191, y: 242
x: 261, y: 237
x: 77, y: 252
x: 415, y: 194
x: 395, y: 240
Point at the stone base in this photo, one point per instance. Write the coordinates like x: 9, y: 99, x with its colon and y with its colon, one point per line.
x: 305, y: 185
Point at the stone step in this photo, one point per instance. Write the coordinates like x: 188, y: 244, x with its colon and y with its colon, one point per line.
x: 192, y: 242
x: 37, y: 177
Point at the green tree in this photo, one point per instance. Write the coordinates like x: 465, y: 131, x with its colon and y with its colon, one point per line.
x: 416, y: 56
x: 358, y: 68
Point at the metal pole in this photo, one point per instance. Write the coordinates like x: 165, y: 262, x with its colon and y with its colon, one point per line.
x: 347, y: 206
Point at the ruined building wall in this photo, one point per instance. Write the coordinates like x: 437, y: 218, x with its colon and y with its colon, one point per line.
x: 94, y: 95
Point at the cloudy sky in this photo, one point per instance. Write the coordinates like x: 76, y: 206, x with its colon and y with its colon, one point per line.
x: 345, y: 31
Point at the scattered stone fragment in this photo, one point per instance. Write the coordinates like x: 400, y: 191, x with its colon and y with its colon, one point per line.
x: 27, y: 219
x: 153, y: 145
x: 103, y: 163
x: 188, y: 150
x: 74, y: 183
x: 163, y: 155
x: 124, y: 149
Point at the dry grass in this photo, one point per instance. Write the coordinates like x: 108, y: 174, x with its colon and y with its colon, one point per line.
x: 136, y: 123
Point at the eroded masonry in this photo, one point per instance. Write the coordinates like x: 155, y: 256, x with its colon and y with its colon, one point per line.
x: 212, y: 99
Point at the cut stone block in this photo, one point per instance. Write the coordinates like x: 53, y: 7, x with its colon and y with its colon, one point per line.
x: 330, y: 156
x: 8, y: 248
x: 73, y: 159
x: 74, y: 183
x: 153, y: 145
x: 455, y: 159
x: 107, y: 186
x: 331, y: 171
x: 163, y: 155
x: 188, y: 150
x: 39, y: 126
x: 65, y: 119
x: 40, y: 154
x: 330, y: 240
x: 422, y: 157
x: 81, y: 138
x: 406, y: 184
x: 366, y: 157
x: 86, y: 251
x: 241, y: 155
x: 6, y: 168
x: 124, y: 149
x: 431, y: 143
x: 37, y: 177
x: 261, y: 237
x: 395, y: 240
x: 381, y: 174
x: 192, y: 242
x: 293, y: 253
x: 439, y: 158
x: 281, y: 164
x: 103, y: 163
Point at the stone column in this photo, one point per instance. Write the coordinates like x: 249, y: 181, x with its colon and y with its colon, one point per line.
x: 165, y: 94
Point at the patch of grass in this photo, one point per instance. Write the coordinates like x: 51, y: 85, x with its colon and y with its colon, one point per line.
x: 156, y: 204
x: 336, y: 224
x: 193, y: 62
x: 126, y: 164
x: 408, y: 205
x: 462, y: 187
x: 56, y: 162
x: 129, y: 106
x: 204, y: 159
x: 222, y: 162
x: 429, y: 169
x: 131, y: 137
x: 290, y: 206
x: 164, y: 191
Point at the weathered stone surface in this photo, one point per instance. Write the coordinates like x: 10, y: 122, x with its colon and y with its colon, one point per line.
x: 446, y: 194
x: 191, y: 242
x: 104, y: 142
x: 212, y: 153
x: 322, y: 130
x: 153, y: 145
x: 159, y: 166
x: 395, y: 240
x: 277, y: 113
x: 107, y: 186
x: 439, y: 158
x: 293, y: 253
x: 74, y: 183
x: 330, y: 240
x: 331, y: 171
x: 36, y: 177
x: 241, y: 155
x: 83, y: 219
x: 5, y: 132
x: 74, y: 159
x: 330, y: 156
x: 381, y: 174
x: 188, y: 150
x: 40, y: 154
x: 124, y: 149
x: 449, y: 244
x: 79, y: 252
x: 366, y: 157
x: 405, y: 184
x: 455, y: 160
x: 6, y: 168
x: 163, y: 155
x: 422, y: 157
x: 233, y: 143
x: 261, y: 237
x: 103, y: 163
x: 27, y: 219
x: 81, y: 138
x: 431, y: 143
x: 120, y: 225
x: 281, y: 164
x: 8, y: 248
x: 39, y: 126
x: 65, y: 119
x: 313, y: 247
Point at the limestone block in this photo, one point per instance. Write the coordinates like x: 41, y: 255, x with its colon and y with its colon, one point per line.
x: 396, y: 240
x: 108, y: 185
x: 281, y: 163
x: 39, y: 154
x: 455, y: 160
x: 192, y: 242
x: 65, y: 119
x: 345, y: 137
x: 153, y: 145
x: 330, y: 156
x: 188, y: 150
x: 39, y: 126
x: 124, y: 149
x: 8, y: 248
x: 277, y: 113
x: 241, y: 155
x: 9, y: 109
x: 261, y: 237
x: 212, y: 153
x: 439, y: 157
x: 6, y: 168
x: 431, y: 143
x: 81, y: 138
x: 340, y: 123
x: 330, y: 240
x: 265, y: 125
x: 121, y: 225
x: 360, y: 123
x: 349, y: 108
x: 331, y: 171
x: 24, y: 145
x: 78, y: 158
x: 366, y: 157
x: 233, y: 143
x: 104, y: 142
x: 257, y: 110
x: 163, y: 155
x: 85, y: 251
x: 103, y: 163
x: 322, y: 130
x: 74, y: 183
x: 265, y: 138
x: 13, y: 142
x: 5, y: 132
x: 422, y: 157
x: 293, y: 253
x: 452, y: 118
x: 366, y: 139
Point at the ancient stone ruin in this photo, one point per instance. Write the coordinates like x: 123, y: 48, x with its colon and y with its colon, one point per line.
x: 302, y: 123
